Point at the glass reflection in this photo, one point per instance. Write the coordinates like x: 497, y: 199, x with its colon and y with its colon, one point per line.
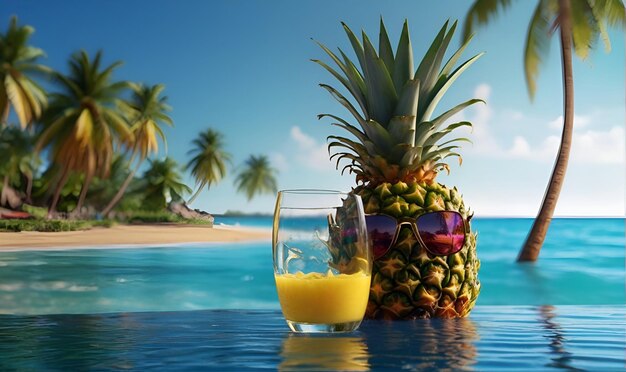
x: 324, y: 353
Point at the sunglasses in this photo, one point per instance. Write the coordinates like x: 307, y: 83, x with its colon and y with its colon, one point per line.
x: 441, y: 233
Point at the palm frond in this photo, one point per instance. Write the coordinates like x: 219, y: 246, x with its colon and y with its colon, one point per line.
x: 537, y: 44
x: 482, y: 12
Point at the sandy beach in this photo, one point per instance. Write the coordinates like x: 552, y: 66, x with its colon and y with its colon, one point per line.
x: 128, y: 236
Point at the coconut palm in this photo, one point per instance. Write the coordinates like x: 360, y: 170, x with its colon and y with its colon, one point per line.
x: 102, y: 190
x: 68, y: 196
x: 147, y: 111
x: 163, y: 182
x: 83, y: 122
x: 18, y: 160
x: 208, y: 165
x: 580, y: 24
x: 18, y: 62
x: 256, y: 177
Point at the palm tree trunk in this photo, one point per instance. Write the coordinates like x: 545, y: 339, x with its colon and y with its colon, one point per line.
x: 57, y: 193
x: 197, y: 193
x: 534, y: 241
x: 5, y: 116
x: 83, y: 193
x: 5, y: 189
x: 122, y: 190
x: 29, y: 189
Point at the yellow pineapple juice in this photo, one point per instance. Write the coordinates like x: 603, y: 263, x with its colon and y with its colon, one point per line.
x: 323, y: 298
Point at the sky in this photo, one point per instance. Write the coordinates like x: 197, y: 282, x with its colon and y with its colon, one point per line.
x: 243, y: 68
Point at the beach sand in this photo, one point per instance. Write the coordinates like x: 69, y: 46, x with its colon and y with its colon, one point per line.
x: 129, y: 236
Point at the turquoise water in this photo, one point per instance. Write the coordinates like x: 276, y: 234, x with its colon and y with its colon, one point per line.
x: 582, y: 263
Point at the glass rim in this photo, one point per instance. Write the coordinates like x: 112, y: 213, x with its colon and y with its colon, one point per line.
x: 312, y: 191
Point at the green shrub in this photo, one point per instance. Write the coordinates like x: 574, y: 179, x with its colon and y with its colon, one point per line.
x: 152, y: 217
x: 37, y: 212
x: 136, y: 217
x: 103, y: 223
x: 51, y: 225
x: 162, y: 217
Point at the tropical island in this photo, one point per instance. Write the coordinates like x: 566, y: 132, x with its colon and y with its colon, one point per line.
x: 80, y: 150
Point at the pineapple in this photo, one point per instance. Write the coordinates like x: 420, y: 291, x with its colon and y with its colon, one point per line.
x: 397, y: 147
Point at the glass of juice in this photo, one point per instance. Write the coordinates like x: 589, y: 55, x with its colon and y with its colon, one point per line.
x: 322, y: 260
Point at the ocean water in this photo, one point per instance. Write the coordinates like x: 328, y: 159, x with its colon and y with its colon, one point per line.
x: 581, y: 263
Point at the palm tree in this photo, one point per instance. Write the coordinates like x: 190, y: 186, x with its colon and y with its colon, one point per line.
x: 18, y: 160
x: 580, y: 23
x: 102, y: 190
x: 83, y: 121
x: 163, y: 182
x: 256, y: 177
x: 208, y: 165
x: 18, y: 61
x: 147, y: 110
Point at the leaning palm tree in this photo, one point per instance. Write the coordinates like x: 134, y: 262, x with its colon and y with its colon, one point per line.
x: 163, y: 182
x: 102, y: 190
x: 147, y: 110
x: 208, y: 165
x: 18, y: 160
x: 256, y: 177
x: 83, y: 122
x: 18, y: 62
x: 580, y: 24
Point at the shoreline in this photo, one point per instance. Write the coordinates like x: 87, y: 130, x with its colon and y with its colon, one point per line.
x: 129, y: 236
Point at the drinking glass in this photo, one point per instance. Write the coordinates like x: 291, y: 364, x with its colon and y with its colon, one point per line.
x: 322, y: 260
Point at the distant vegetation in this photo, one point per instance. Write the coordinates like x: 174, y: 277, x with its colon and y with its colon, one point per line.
x: 75, y: 152
x: 51, y: 225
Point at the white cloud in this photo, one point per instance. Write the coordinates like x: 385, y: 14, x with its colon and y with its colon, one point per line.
x: 510, y: 115
x: 589, y: 147
x: 545, y: 151
x: 580, y: 121
x: 482, y: 137
x: 483, y: 112
x: 301, y: 138
x: 598, y: 151
x: 520, y: 148
x: 310, y: 153
x: 606, y: 147
x: 482, y: 91
x: 279, y: 161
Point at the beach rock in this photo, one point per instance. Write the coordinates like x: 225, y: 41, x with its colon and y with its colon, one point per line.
x: 184, y: 211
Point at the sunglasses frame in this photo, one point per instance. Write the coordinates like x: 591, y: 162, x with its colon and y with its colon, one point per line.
x: 412, y: 221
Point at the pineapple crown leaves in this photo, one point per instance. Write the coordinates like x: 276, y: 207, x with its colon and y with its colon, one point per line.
x: 393, y: 105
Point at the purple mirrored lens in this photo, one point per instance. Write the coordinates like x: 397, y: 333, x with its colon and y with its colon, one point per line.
x: 443, y: 233
x: 381, y: 230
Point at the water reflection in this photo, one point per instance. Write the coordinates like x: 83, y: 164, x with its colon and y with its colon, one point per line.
x: 424, y: 344
x: 324, y: 353
x: 554, y: 333
x: 67, y: 342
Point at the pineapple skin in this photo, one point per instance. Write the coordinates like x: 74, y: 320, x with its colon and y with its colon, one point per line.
x: 408, y: 282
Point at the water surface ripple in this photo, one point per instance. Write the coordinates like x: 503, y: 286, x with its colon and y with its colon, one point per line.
x: 493, y: 338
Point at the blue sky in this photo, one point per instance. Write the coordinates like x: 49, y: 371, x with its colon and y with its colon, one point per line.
x: 242, y: 67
